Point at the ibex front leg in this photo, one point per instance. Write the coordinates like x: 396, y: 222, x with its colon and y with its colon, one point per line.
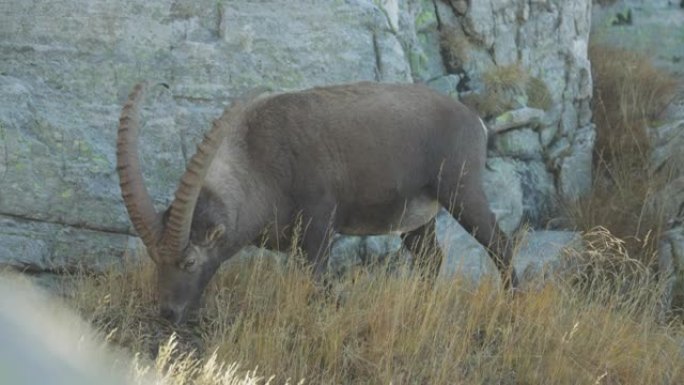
x: 471, y: 209
x: 427, y: 255
x: 318, y: 228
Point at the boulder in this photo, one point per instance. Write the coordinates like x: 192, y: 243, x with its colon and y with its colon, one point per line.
x: 539, y: 255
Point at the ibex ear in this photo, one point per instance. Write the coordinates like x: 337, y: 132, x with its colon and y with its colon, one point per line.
x: 215, y: 233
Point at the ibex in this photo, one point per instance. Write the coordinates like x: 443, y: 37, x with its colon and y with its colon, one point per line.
x: 364, y: 158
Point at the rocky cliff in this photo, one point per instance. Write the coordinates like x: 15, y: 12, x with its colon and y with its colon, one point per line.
x: 67, y: 65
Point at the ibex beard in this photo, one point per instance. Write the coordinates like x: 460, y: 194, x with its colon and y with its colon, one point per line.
x: 364, y: 158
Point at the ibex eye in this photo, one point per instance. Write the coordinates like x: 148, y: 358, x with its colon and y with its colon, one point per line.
x: 188, y: 263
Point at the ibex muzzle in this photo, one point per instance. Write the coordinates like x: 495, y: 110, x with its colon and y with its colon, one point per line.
x: 363, y: 158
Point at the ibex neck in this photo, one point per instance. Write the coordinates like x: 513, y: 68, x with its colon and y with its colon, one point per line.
x: 245, y: 203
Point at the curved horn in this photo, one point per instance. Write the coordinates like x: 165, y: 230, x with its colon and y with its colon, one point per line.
x: 177, y: 230
x: 146, y: 220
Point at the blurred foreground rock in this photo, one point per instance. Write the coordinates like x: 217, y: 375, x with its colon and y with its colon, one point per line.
x: 41, y: 342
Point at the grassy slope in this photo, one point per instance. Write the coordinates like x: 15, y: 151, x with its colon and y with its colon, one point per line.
x: 380, y: 329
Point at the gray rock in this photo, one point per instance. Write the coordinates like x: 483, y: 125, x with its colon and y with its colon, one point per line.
x: 251, y: 253
x: 345, y: 251
x: 670, y: 201
x: 379, y: 247
x: 522, y: 144
x: 393, y: 65
x: 40, y: 246
x: 481, y: 22
x: 520, y: 191
x: 557, y: 151
x: 391, y: 10
x: 463, y: 255
x: 58, y: 166
x: 523, y: 117
x: 576, y: 170
x: 539, y: 200
x: 478, y: 63
x: 540, y: 255
x: 668, y: 144
x: 20, y: 251
x: 419, y: 30
x: 449, y: 17
x: 670, y: 262
x: 504, y: 192
x: 460, y: 6
x: 446, y: 85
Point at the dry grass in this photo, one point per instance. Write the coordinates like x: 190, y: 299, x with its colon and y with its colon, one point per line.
x: 538, y: 94
x: 509, y: 87
x: 455, y: 47
x: 376, y: 328
x: 629, y: 93
x: 173, y: 367
x: 508, y: 78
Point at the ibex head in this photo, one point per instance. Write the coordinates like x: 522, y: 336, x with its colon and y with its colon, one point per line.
x: 185, y: 262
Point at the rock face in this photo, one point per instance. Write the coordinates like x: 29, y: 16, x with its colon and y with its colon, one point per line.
x: 66, y: 66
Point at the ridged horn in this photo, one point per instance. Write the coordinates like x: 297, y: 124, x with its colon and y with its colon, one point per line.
x: 145, y: 219
x: 177, y: 229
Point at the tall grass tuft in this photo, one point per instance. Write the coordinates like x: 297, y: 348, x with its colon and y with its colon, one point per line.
x: 629, y: 94
x: 509, y: 87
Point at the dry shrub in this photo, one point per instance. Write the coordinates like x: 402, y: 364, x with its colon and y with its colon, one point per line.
x: 604, y: 266
x: 629, y: 93
x: 455, y: 46
x: 622, y: 200
x: 538, y: 94
x: 504, y: 88
x: 508, y: 78
x: 509, y: 87
x: 487, y: 104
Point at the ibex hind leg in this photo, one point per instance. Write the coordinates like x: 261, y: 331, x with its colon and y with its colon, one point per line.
x: 427, y: 255
x: 467, y: 203
x: 316, y: 236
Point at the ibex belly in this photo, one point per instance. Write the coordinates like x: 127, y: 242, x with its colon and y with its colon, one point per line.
x: 398, y: 216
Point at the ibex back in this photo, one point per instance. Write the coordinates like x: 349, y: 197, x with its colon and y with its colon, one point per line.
x: 364, y: 158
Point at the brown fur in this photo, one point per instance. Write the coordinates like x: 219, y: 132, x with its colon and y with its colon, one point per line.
x: 364, y: 158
